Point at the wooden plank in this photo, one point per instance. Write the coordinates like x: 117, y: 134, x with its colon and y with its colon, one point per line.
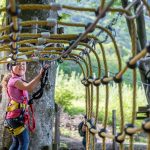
x: 142, y: 109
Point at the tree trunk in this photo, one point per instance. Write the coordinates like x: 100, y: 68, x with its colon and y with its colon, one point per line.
x: 5, y: 137
x: 44, y: 113
x: 141, y: 44
x: 43, y: 107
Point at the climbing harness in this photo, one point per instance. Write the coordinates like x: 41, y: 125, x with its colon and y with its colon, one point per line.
x: 18, y: 121
x: 15, y: 105
x: 13, y: 131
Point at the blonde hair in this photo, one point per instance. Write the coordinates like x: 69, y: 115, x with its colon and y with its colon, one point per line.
x: 5, y: 80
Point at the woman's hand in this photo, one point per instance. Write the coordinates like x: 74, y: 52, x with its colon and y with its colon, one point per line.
x: 44, y: 69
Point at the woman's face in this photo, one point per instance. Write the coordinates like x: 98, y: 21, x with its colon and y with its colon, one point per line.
x: 20, y: 68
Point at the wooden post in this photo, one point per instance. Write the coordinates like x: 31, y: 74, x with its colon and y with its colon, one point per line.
x: 56, y: 143
x: 114, y: 128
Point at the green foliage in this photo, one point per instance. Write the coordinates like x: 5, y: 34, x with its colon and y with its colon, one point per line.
x: 64, y: 97
x: 69, y: 66
x: 75, y: 110
x: 112, y: 63
x: 71, y: 94
x: 64, y: 16
x: 117, y: 3
x: 2, y: 4
x: 122, y: 37
x: 63, y: 145
x: 66, y: 90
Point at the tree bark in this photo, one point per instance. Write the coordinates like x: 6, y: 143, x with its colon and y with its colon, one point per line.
x: 43, y: 107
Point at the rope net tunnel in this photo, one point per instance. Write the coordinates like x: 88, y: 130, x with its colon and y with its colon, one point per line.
x: 79, y: 48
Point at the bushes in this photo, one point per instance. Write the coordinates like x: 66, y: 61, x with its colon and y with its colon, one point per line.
x: 67, y: 90
x: 70, y: 93
x: 64, y: 97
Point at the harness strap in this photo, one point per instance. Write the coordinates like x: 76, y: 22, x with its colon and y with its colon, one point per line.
x: 27, y: 119
x: 16, y: 131
x: 15, y: 105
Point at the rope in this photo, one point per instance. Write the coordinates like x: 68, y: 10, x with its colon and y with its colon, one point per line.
x: 134, y: 48
x: 48, y: 7
x: 88, y: 117
x: 148, y: 141
x: 90, y: 104
x: 90, y: 96
x: 102, y: 3
x: 107, y: 94
x: 91, y: 114
x: 103, y: 144
x: 97, y: 104
x: 121, y: 107
x: 90, y: 101
x: 131, y: 143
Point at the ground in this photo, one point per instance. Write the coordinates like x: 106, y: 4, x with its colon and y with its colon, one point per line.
x: 71, y: 140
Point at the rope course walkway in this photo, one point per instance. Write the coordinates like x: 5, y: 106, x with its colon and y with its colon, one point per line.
x: 79, y: 49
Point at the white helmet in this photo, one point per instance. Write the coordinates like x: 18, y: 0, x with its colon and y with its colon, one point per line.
x: 19, y: 57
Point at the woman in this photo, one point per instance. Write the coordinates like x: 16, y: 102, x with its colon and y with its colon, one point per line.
x: 17, y: 90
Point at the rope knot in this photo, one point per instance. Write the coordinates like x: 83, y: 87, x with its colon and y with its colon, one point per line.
x: 117, y: 80
x: 100, y: 133
x: 85, y: 82
x: 131, y: 66
x: 120, y: 138
x: 146, y: 125
x: 97, y: 82
x: 104, y: 80
x: 129, y: 129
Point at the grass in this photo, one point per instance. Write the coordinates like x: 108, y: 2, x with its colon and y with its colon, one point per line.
x: 75, y: 111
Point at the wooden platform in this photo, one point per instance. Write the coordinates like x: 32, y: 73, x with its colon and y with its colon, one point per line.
x: 143, y: 112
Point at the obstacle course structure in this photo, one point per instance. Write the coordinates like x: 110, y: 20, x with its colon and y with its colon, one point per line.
x: 79, y: 49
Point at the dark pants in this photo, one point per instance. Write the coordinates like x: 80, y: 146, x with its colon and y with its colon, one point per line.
x: 21, y: 141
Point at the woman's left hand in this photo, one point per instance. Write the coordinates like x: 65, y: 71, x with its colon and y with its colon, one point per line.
x: 44, y: 68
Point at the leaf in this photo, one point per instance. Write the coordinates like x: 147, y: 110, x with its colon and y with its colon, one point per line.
x: 63, y: 16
